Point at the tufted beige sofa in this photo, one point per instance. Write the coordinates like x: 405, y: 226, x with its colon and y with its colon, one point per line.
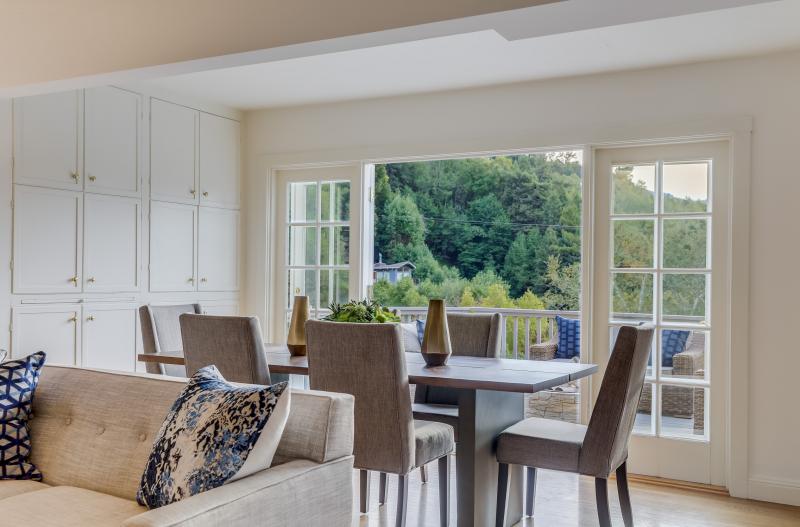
x: 92, y: 432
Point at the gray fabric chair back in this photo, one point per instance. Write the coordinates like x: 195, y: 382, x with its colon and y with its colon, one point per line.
x: 233, y: 344
x: 472, y: 335
x: 368, y: 362
x: 605, y: 446
x: 161, y: 333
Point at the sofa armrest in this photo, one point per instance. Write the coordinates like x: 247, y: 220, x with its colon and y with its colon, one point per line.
x: 688, y: 362
x: 298, y: 493
x: 544, y: 350
x: 320, y: 427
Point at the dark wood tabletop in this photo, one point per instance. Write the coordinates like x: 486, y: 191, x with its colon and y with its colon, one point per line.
x: 472, y: 373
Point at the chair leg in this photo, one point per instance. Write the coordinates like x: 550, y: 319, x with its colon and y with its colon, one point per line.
x: 530, y: 491
x: 364, y: 491
x: 601, y: 493
x: 382, y: 489
x: 423, y: 472
x: 444, y: 491
x: 502, y: 494
x: 402, y: 501
x: 624, y: 495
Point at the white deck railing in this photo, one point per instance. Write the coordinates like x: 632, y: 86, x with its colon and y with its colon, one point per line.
x: 530, y: 326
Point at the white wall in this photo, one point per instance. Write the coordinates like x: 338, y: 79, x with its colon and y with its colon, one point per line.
x: 589, y: 110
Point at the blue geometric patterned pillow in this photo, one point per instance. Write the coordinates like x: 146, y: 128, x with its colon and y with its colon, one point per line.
x: 673, y: 341
x: 18, y: 380
x: 209, y: 436
x: 569, y: 338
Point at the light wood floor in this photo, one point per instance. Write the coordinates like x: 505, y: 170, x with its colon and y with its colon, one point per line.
x: 565, y: 500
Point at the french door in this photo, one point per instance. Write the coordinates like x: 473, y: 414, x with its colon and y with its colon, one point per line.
x: 318, y: 239
x: 661, y: 256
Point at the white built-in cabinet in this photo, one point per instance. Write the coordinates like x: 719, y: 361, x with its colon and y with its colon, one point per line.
x: 217, y: 264
x: 173, y: 152
x: 109, y: 336
x: 111, y: 254
x: 219, y: 161
x: 54, y: 329
x: 173, y: 249
x: 111, y: 138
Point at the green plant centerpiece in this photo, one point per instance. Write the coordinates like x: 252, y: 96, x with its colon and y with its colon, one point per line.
x: 361, y: 311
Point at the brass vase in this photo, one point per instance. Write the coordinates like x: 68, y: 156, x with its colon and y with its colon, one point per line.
x: 296, y: 341
x: 436, y: 339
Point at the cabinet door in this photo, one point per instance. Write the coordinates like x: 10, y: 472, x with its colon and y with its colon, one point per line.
x: 111, y: 132
x: 47, y: 241
x: 52, y: 329
x: 172, y: 246
x: 218, y: 249
x: 109, y: 337
x: 110, y: 243
x: 173, y: 140
x: 46, y: 140
x: 219, y: 161
x: 224, y: 310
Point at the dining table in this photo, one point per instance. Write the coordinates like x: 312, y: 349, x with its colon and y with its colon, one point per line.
x: 490, y: 394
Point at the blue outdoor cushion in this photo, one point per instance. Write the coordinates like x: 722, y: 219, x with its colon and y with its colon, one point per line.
x: 673, y: 341
x: 18, y: 381
x: 420, y: 330
x: 569, y: 338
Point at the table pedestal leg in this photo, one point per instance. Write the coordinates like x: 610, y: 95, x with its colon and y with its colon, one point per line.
x: 482, y: 415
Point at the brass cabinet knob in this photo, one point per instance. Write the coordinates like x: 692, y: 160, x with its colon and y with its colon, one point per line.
x: 205, y: 194
x: 92, y: 178
x: 204, y: 280
x: 74, y: 176
x: 73, y: 319
x: 74, y: 281
x: 193, y: 192
x: 90, y: 318
x: 190, y: 280
x: 90, y: 279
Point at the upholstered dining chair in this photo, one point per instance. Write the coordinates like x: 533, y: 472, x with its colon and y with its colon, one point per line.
x: 161, y: 333
x: 368, y: 362
x: 595, y: 450
x: 233, y: 344
x: 473, y: 335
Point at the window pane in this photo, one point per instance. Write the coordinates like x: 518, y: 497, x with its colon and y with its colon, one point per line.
x: 633, y: 243
x: 336, y: 201
x: 685, y: 187
x: 632, y: 296
x: 683, y: 353
x: 302, y: 202
x: 303, y: 282
x: 302, y: 245
x: 634, y: 189
x: 685, y: 243
x: 683, y: 411
x: 335, y: 246
x: 334, y: 287
x: 684, y: 297
x: 644, y: 412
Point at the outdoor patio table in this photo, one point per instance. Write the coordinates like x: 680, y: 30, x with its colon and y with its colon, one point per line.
x: 490, y: 399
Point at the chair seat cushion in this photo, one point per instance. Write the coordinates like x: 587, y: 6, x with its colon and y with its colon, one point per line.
x: 67, y: 507
x: 433, y: 440
x: 542, y: 443
x: 439, y: 413
x: 12, y: 487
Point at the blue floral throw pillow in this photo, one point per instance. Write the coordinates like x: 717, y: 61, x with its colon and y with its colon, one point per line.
x: 18, y: 380
x: 215, y: 432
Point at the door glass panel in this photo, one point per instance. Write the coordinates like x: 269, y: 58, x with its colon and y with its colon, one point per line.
x: 335, y: 246
x: 633, y: 243
x: 643, y: 423
x: 634, y: 189
x: 684, y: 297
x: 685, y: 243
x: 683, y: 411
x: 685, y: 187
x: 335, y: 201
x: 302, y: 245
x: 303, y: 282
x: 334, y: 287
x: 302, y: 202
x: 683, y: 353
x: 632, y: 296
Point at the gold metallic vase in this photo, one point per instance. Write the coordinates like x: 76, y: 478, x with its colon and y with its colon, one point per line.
x: 296, y: 341
x: 436, y: 339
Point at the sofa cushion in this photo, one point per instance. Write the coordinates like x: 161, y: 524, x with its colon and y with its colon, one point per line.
x: 12, y: 487
x: 411, y: 340
x: 207, y: 437
x: 67, y: 507
x: 18, y: 380
x: 673, y: 341
x: 569, y: 338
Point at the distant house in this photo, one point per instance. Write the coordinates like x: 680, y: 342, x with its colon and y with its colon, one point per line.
x: 392, y: 273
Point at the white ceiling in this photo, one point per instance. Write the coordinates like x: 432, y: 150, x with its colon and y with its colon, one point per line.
x: 485, y: 58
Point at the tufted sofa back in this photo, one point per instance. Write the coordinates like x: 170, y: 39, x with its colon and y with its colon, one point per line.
x: 94, y: 429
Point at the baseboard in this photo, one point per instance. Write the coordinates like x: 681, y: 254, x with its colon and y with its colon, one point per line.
x: 774, y: 490
x: 677, y: 484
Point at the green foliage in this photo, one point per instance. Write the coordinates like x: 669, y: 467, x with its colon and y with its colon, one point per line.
x: 361, y: 311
